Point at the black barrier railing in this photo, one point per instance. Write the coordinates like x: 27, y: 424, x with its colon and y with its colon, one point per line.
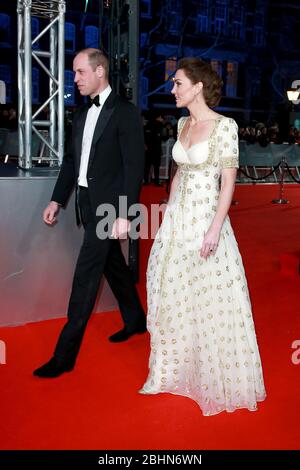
x: 254, y: 178
x: 282, y: 165
x: 291, y: 174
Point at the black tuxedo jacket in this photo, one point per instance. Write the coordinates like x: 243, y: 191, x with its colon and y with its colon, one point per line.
x: 116, y: 161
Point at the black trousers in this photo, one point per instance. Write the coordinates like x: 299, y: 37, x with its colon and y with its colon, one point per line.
x: 96, y: 257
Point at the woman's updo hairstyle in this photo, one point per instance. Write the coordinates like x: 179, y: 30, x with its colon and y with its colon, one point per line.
x: 199, y: 71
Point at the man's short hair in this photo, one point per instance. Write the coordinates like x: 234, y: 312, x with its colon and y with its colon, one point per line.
x: 96, y: 58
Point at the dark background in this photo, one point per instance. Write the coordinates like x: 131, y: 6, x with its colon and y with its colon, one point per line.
x: 254, y: 46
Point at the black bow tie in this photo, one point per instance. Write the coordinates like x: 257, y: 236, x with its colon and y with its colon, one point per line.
x: 94, y: 101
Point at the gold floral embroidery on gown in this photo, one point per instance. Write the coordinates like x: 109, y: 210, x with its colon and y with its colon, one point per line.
x: 203, y: 342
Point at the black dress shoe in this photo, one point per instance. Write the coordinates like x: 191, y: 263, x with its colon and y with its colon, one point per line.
x: 125, y: 334
x: 53, y: 368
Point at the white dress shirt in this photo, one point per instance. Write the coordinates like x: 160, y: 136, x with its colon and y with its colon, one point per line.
x: 88, y: 133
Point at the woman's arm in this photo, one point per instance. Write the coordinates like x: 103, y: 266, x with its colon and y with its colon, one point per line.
x: 212, y: 236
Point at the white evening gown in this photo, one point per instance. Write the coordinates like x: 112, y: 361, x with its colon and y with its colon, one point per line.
x: 203, y: 342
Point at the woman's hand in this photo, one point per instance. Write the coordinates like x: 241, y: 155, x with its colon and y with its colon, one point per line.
x: 210, y: 243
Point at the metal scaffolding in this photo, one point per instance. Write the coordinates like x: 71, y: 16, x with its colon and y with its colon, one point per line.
x: 134, y: 49
x: 123, y: 48
x: 51, y: 135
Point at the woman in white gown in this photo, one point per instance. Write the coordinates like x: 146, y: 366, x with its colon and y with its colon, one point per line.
x: 203, y: 342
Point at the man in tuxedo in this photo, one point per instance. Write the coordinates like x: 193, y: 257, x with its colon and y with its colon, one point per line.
x: 104, y: 161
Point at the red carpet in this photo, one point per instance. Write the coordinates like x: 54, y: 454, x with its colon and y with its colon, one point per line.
x: 97, y: 405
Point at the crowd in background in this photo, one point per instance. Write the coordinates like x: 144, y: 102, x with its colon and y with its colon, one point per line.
x: 264, y: 135
x: 157, y: 129
x: 8, y: 117
x: 160, y: 126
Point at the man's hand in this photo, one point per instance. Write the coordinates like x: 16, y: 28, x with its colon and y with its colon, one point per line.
x: 120, y: 229
x: 50, y: 213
